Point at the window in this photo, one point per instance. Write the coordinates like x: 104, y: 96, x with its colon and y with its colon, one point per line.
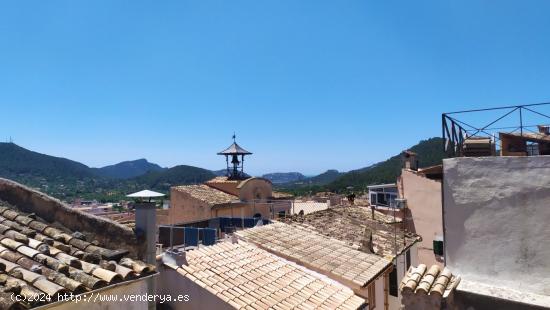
x: 408, y: 259
x: 372, y: 295
x: 393, y: 282
x: 438, y: 247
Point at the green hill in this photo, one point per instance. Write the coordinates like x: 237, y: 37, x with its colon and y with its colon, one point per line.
x: 429, y: 152
x: 318, y: 180
x: 67, y: 179
x: 284, y: 177
x: 16, y: 161
x: 127, y: 169
x: 178, y: 175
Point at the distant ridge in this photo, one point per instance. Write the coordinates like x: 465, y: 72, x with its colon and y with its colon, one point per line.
x: 16, y: 161
x: 283, y: 177
x: 67, y: 179
x: 178, y: 175
x: 430, y: 152
x: 128, y: 169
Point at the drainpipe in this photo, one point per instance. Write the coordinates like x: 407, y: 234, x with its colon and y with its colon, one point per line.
x: 146, y: 229
x: 386, y: 290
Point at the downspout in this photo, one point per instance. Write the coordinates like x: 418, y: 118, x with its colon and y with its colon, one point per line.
x: 386, y: 289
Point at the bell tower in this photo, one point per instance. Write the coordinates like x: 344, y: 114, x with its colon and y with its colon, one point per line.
x: 235, y: 168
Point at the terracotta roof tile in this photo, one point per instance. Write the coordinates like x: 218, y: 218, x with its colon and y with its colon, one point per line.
x: 421, y: 280
x: 306, y: 247
x: 206, y: 193
x: 349, y: 224
x: 39, y: 258
x: 223, y: 180
x: 269, y: 281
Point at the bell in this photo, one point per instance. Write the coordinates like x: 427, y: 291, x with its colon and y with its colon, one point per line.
x: 235, y: 160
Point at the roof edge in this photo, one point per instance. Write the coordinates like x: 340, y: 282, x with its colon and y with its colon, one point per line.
x: 107, y: 232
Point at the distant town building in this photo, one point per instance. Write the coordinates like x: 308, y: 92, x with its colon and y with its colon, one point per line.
x: 233, y: 195
x: 420, y: 192
x: 383, y: 196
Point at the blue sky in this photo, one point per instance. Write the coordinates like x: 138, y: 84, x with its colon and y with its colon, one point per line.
x: 306, y: 85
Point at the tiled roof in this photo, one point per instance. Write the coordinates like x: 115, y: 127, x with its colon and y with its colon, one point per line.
x: 224, y: 180
x: 206, y: 193
x: 421, y: 280
x: 349, y: 224
x: 529, y: 136
x: 245, y: 276
x: 40, y: 258
x: 276, y: 194
x: 326, y: 255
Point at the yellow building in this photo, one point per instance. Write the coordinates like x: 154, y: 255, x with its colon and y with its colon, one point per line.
x: 233, y: 195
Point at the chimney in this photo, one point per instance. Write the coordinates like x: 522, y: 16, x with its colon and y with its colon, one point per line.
x: 366, y: 243
x: 174, y: 257
x: 409, y: 160
x: 146, y: 228
x: 545, y: 130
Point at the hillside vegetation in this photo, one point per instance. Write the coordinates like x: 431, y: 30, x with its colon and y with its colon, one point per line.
x: 127, y: 169
x: 429, y: 153
x: 67, y: 179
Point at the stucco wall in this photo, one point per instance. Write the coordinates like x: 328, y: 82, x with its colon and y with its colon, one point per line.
x: 243, y: 210
x: 424, y: 202
x: 109, y: 233
x: 184, y: 208
x: 255, y: 189
x: 496, y: 212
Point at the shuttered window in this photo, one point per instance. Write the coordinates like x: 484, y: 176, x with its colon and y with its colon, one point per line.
x: 372, y: 295
x: 393, y: 282
x: 438, y: 247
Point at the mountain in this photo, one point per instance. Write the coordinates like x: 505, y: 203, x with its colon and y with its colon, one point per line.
x: 67, y: 179
x: 17, y: 162
x: 311, y: 184
x: 325, y: 177
x: 178, y: 175
x: 429, y: 153
x: 127, y: 169
x: 220, y: 173
x: 284, y: 177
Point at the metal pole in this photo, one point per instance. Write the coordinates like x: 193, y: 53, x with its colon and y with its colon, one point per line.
x: 443, y: 131
x: 520, y: 121
x: 172, y: 237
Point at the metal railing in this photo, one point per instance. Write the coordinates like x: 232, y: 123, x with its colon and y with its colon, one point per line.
x: 455, y: 129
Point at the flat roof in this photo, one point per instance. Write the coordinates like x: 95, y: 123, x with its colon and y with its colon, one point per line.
x: 382, y: 185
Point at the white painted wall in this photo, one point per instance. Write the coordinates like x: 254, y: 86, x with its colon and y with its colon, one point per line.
x: 497, y: 221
